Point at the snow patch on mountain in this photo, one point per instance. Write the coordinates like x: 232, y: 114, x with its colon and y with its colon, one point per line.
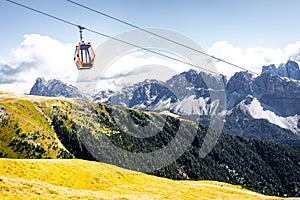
x: 103, y: 96
x: 256, y: 110
x: 192, y: 106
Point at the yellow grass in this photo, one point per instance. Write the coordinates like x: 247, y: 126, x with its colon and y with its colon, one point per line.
x: 61, y: 179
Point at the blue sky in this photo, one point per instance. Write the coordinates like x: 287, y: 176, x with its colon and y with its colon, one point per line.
x: 265, y: 23
x: 239, y: 24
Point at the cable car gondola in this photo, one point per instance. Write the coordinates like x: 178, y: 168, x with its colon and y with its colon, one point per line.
x: 84, y: 54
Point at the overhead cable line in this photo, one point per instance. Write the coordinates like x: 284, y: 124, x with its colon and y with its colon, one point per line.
x: 43, y: 13
x: 110, y: 37
x: 122, y: 41
x: 160, y: 36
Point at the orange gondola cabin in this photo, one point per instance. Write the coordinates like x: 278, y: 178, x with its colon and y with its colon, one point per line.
x: 84, y: 54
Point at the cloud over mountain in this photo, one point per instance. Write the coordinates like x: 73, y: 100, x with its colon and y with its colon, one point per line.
x: 37, y: 55
x: 252, y: 58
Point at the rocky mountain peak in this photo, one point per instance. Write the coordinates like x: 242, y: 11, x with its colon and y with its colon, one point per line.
x: 38, y: 86
x: 55, y: 88
x: 241, y: 83
x: 151, y: 92
x: 289, y: 70
x: 270, y: 69
x: 191, y: 75
x: 103, y: 96
x: 282, y: 95
x: 292, y: 70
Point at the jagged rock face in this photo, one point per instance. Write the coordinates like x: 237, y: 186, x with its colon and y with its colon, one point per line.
x: 240, y: 122
x: 241, y: 83
x: 122, y: 97
x: 151, y: 93
x: 289, y: 70
x: 39, y: 87
x: 238, y: 87
x: 292, y: 70
x: 282, y: 71
x: 184, y: 80
x: 55, y: 88
x: 282, y: 95
x: 103, y: 96
x: 267, y: 84
x: 189, y: 87
x: 193, y: 83
x: 271, y: 69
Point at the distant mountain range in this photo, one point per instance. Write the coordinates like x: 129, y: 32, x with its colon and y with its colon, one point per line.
x: 265, y: 107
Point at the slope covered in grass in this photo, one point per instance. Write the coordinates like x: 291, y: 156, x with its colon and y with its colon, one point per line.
x: 61, y: 179
x: 25, y: 128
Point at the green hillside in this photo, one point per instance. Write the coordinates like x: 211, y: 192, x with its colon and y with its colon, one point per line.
x: 74, y: 179
x: 25, y: 128
x: 39, y: 127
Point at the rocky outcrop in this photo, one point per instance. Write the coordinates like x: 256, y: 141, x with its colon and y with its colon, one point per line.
x: 282, y: 96
x: 288, y: 70
x: 55, y: 88
x: 238, y: 87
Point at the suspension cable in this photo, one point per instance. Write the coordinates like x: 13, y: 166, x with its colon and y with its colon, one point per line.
x: 111, y: 37
x: 160, y: 36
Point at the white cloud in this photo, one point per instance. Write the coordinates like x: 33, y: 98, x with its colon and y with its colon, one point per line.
x: 37, y: 56
x: 293, y: 50
x: 136, y: 67
x: 131, y: 62
x: 42, y: 56
x: 251, y: 58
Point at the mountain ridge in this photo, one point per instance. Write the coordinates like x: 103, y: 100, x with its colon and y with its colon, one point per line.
x: 55, y: 88
x: 289, y: 70
x: 268, y: 99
